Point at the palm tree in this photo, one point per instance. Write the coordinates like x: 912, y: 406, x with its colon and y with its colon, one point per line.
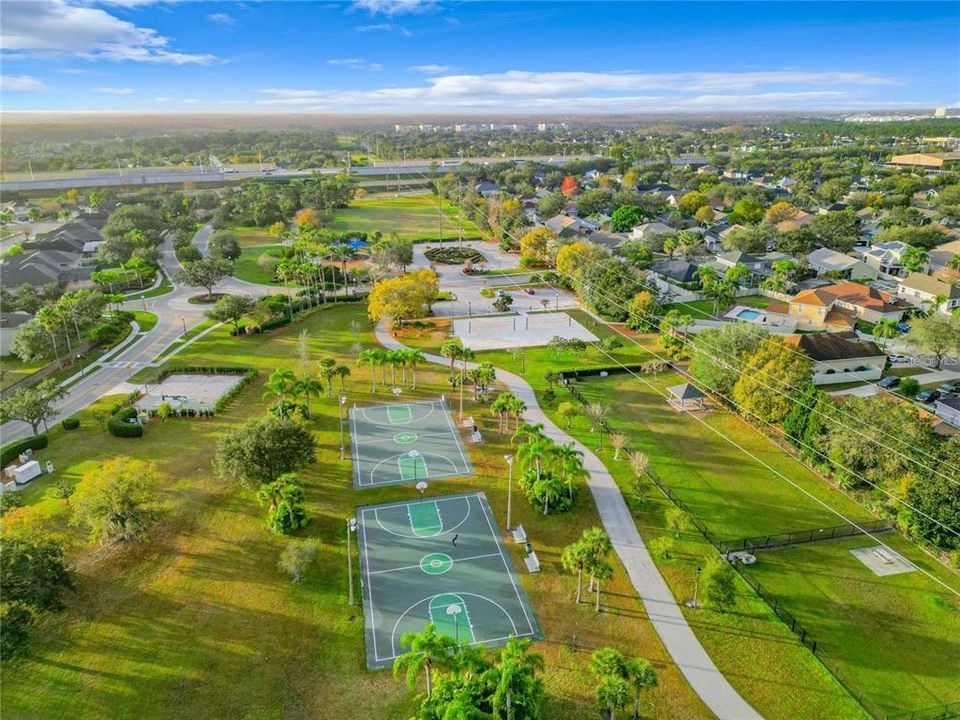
x: 343, y: 253
x: 914, y: 258
x: 465, y: 355
x: 281, y: 383
x: 619, y: 441
x: 451, y: 348
x: 327, y: 371
x: 613, y: 693
x: 342, y: 372
x: 885, y: 329
x: 600, y: 571
x: 639, y: 465
x: 598, y: 546
x: 308, y: 387
x: 501, y: 406
x: 428, y: 649
x: 414, y: 358
x: 536, y: 450
x: 574, y: 559
x: 641, y: 675
x: 517, y: 407
x: 370, y: 357
x: 570, y: 461
x: 519, y: 692
x: 527, y: 431
x: 394, y: 358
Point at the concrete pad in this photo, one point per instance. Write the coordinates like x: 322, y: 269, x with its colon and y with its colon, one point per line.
x: 510, y: 331
x: 883, y: 561
x: 199, y: 392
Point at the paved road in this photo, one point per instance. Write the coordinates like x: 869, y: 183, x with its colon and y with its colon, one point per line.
x: 173, y: 312
x: 661, y: 607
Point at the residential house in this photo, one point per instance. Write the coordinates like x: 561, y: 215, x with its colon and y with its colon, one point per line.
x: 679, y: 271
x: 839, y: 266
x: 886, y: 257
x: 42, y: 267
x: 801, y: 218
x: 941, y: 256
x: 685, y: 160
x: 840, y: 357
x: 486, y: 189
x: 947, y: 408
x: 760, y: 266
x: 565, y: 226
x: 10, y: 323
x: 923, y: 290
x: 840, y: 306
x: 647, y: 230
x: 68, y: 238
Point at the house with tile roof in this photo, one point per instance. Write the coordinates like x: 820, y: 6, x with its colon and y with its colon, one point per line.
x: 839, y: 307
x: 839, y: 266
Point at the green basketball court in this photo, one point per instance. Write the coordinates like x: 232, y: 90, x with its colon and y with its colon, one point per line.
x: 413, y: 574
x: 405, y: 442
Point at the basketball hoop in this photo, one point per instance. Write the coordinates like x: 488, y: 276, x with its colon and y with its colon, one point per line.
x: 422, y: 487
x: 396, y: 390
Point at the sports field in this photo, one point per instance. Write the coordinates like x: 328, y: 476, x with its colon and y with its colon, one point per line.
x: 413, y: 217
x: 437, y: 561
x: 405, y: 443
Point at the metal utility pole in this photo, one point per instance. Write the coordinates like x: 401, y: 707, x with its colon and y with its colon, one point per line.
x: 509, y: 459
x: 343, y: 401
x: 351, y: 528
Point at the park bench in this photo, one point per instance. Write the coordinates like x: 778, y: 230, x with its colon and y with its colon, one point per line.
x: 532, y: 563
x: 519, y: 535
x: 884, y: 555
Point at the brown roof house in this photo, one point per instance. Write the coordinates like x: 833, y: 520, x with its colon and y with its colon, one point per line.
x: 838, y: 307
x: 840, y: 358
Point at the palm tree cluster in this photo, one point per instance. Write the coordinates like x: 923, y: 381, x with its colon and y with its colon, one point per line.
x: 550, y: 471
x: 620, y: 681
x: 507, y: 406
x: 307, y: 267
x: 464, y: 683
x: 589, y: 555
x: 293, y: 395
x: 403, y: 360
x: 723, y: 289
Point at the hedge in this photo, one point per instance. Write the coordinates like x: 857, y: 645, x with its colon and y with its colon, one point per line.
x: 119, y: 425
x: 11, y: 452
x: 70, y: 423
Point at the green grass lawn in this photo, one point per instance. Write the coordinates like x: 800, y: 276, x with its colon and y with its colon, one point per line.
x: 247, y: 236
x: 749, y: 644
x: 198, y: 621
x: 163, y: 288
x: 896, y: 638
x: 146, y: 320
x: 703, y: 309
x: 905, y: 371
x: 13, y: 370
x: 410, y: 216
x: 246, y: 268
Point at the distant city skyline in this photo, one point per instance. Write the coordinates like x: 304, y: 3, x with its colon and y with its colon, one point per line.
x: 416, y: 56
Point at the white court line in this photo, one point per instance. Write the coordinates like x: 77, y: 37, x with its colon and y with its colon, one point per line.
x: 457, y: 440
x: 354, y: 451
x: 456, y: 470
x: 506, y: 567
x: 417, y: 566
x: 369, y: 584
x: 376, y: 515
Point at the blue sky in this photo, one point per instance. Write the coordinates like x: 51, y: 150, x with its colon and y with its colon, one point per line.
x: 393, y: 56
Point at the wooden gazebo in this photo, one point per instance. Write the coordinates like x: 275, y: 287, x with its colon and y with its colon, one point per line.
x: 686, y: 397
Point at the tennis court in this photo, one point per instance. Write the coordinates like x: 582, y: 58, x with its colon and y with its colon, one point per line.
x: 405, y: 443
x: 414, y: 574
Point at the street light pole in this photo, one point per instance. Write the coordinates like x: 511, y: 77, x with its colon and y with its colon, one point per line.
x: 351, y: 528
x: 343, y: 401
x: 509, y: 459
x: 184, y: 321
x: 696, y: 588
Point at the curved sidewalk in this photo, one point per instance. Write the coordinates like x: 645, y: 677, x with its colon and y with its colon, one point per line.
x: 662, y: 609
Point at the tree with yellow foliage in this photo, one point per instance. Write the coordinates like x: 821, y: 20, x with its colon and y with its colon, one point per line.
x: 778, y: 212
x: 403, y: 298
x: 117, y: 501
x: 574, y: 258
x: 307, y: 218
x: 534, y: 247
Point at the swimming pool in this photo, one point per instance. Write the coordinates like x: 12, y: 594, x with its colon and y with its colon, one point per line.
x: 748, y: 315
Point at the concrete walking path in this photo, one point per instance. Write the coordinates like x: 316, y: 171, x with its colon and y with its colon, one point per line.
x: 662, y: 609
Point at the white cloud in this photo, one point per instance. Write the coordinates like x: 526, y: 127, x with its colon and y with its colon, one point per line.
x: 190, y: 101
x: 393, y: 7
x: 431, y: 69
x: 356, y: 64
x: 55, y: 27
x: 384, y: 27
x: 21, y: 83
x: 162, y: 99
x: 222, y: 19
x: 585, y: 91
x: 114, y: 90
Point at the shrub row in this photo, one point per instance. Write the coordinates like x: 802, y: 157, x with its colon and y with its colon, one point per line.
x: 297, y: 307
x: 454, y: 255
x: 126, y: 402
x: 201, y: 370
x: 119, y: 424
x: 225, y: 399
x: 10, y: 452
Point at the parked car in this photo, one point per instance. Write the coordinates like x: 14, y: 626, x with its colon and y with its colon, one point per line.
x: 951, y: 386
x: 528, y: 291
x: 889, y: 383
x: 903, y: 327
x: 895, y: 358
x: 928, y: 397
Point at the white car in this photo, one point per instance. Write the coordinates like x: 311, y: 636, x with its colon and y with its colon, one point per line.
x: 742, y: 557
x: 894, y: 358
